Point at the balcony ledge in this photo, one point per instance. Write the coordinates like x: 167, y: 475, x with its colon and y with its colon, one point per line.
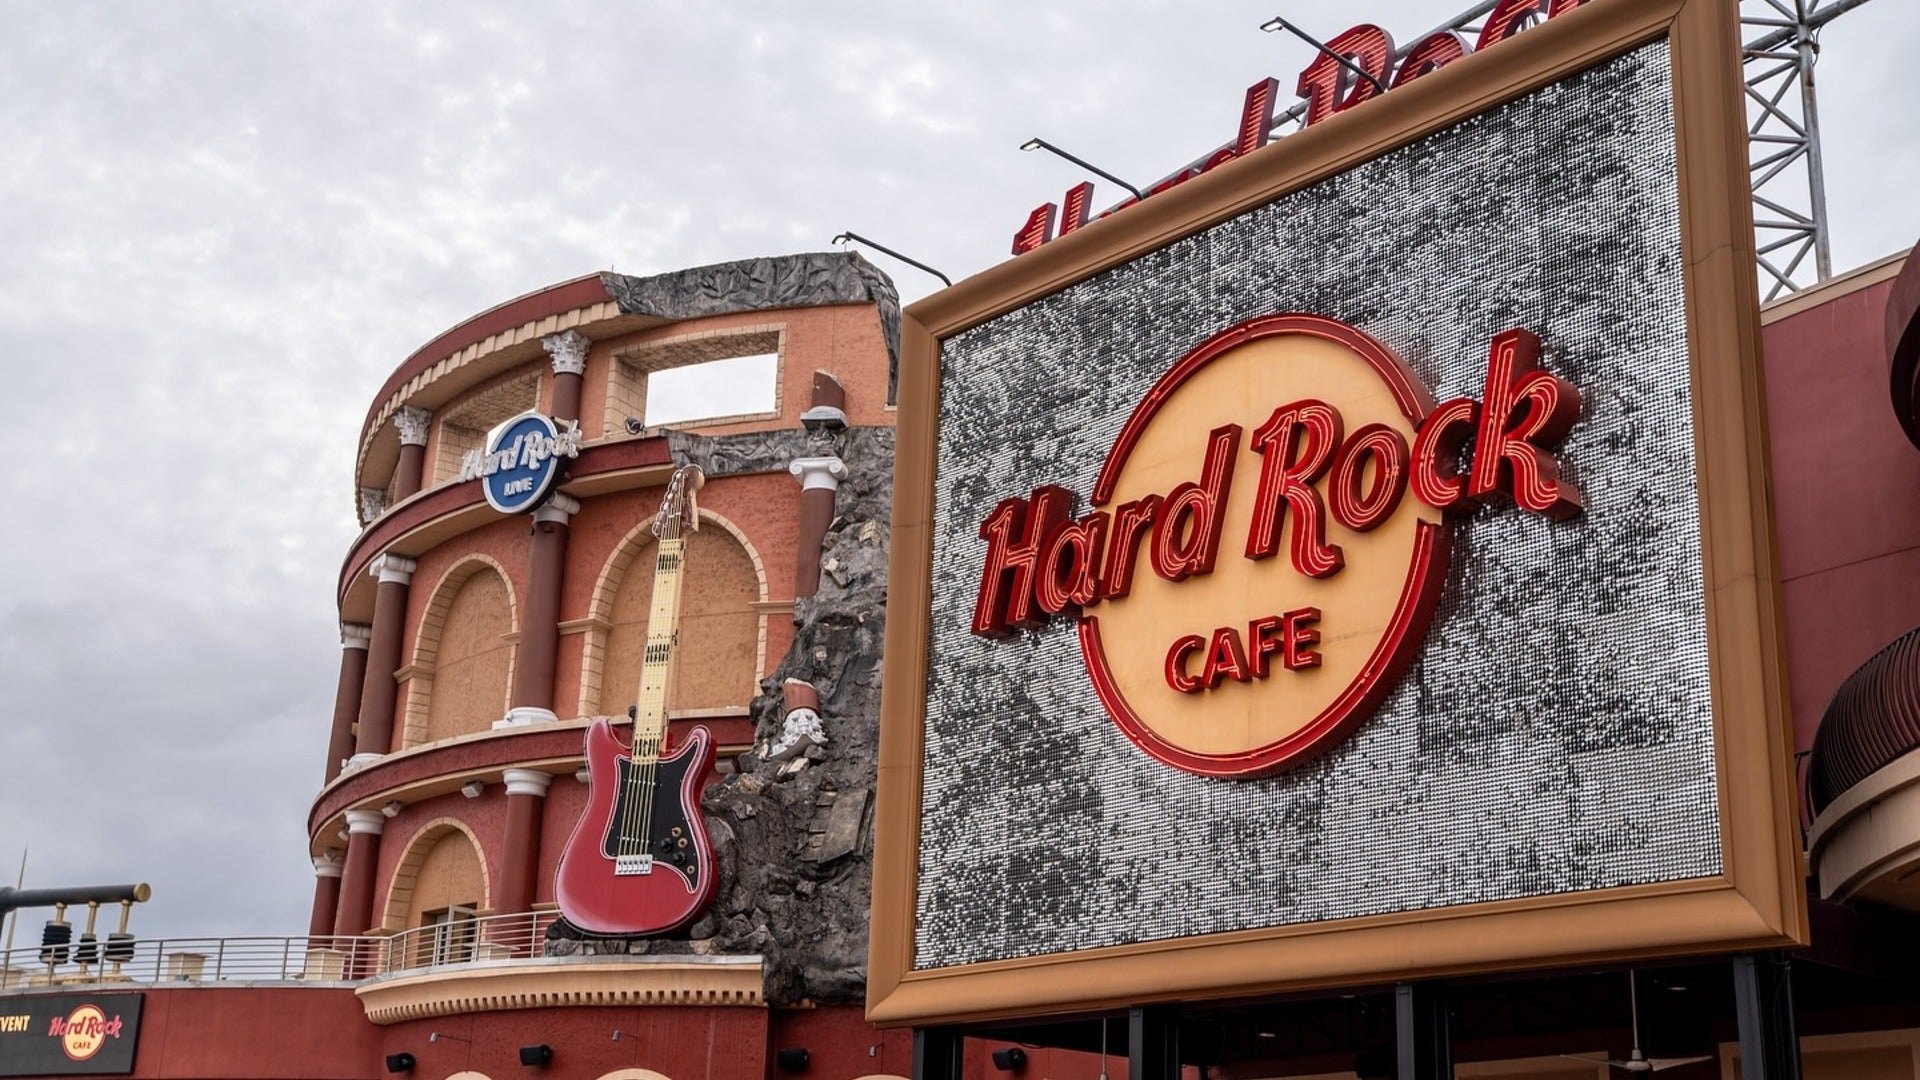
x: 1865, y: 845
x: 538, y: 983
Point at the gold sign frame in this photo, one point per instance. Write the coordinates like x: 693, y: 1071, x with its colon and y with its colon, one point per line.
x: 1757, y: 902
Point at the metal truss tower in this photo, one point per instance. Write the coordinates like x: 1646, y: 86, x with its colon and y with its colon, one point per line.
x: 1789, y: 176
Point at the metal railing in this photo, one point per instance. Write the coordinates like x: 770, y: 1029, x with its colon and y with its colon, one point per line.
x: 160, y: 961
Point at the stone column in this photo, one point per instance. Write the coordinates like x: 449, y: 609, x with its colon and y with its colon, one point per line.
x: 326, y: 896
x: 526, y: 798
x: 569, y: 353
x: 346, y: 696
x: 411, y: 474
x: 357, y: 876
x: 820, y: 477
x: 538, y: 651
x: 378, y: 691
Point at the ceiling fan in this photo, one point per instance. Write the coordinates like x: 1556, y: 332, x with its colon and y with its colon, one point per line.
x: 1637, y: 1062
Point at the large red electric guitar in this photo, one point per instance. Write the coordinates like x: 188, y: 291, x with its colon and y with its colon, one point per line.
x: 639, y: 861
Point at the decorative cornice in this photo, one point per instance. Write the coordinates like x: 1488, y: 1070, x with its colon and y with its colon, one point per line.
x: 568, y: 350
x: 412, y: 423
x: 557, y: 510
x: 391, y: 567
x: 819, y: 472
x: 564, y: 983
x: 355, y: 635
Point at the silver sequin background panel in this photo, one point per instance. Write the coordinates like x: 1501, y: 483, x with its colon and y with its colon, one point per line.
x: 1581, y: 761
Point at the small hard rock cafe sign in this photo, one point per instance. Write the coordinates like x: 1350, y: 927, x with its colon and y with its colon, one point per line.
x: 1252, y: 577
x: 69, y: 1034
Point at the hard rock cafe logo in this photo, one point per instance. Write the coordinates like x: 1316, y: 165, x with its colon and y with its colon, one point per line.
x: 84, y: 1031
x: 1288, y: 445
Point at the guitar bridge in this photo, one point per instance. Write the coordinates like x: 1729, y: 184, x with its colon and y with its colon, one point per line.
x: 628, y: 865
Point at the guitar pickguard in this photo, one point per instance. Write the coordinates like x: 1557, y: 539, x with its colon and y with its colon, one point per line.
x: 668, y: 841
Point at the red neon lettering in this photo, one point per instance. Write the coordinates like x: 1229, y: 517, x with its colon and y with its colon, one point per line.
x: 1299, y: 636
x: 1225, y: 659
x: 1256, y: 117
x: 1363, y: 511
x: 1434, y: 52
x: 1074, y: 206
x: 1526, y: 411
x: 1327, y: 84
x: 1186, y: 538
x: 1266, y: 636
x: 1508, y: 18
x: 1311, y: 430
x: 1038, y: 230
x: 1217, y: 158
x: 1177, y: 676
x: 1129, y: 525
x: 58, y: 1028
x: 1014, y: 532
x: 1436, y: 453
x: 1070, y: 565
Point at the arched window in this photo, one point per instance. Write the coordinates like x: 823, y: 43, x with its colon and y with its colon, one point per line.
x: 721, y: 649
x: 439, y: 887
x: 463, y: 656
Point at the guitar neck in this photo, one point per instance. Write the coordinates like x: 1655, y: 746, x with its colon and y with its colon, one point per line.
x: 663, y: 631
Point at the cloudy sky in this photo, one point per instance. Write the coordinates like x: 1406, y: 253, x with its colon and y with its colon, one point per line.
x: 223, y: 224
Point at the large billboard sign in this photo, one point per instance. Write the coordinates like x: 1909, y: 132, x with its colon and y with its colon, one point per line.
x: 1353, y: 564
x: 69, y: 1034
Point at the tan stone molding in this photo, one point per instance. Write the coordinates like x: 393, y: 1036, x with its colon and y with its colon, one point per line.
x: 515, y: 339
x: 598, y: 623
x: 558, y: 983
x: 426, y: 641
x: 1860, y: 277
x: 393, y: 915
x: 582, y: 625
x: 1868, y: 839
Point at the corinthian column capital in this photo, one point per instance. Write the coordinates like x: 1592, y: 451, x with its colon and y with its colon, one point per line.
x: 568, y: 350
x: 412, y: 424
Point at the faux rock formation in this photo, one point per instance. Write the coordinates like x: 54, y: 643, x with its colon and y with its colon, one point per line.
x: 793, y: 829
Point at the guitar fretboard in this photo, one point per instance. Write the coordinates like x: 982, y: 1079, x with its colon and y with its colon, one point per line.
x: 650, y: 707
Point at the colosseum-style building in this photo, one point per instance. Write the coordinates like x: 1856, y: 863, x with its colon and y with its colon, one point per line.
x: 479, y: 644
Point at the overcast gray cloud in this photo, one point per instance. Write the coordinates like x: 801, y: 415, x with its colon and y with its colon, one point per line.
x: 222, y: 225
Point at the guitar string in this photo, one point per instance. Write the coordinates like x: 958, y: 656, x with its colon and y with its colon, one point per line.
x: 632, y: 841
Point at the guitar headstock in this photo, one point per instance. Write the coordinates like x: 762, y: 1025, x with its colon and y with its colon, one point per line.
x: 678, y: 509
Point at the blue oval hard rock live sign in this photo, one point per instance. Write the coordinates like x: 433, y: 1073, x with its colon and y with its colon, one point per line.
x: 522, y: 461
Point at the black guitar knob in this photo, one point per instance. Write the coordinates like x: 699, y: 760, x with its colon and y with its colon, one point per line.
x: 666, y: 844
x: 679, y: 858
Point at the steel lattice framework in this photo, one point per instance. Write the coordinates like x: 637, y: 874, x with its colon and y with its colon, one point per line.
x: 1789, y: 182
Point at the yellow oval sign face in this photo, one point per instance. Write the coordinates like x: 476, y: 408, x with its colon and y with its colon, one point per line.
x: 1276, y: 459
x: 85, y: 1034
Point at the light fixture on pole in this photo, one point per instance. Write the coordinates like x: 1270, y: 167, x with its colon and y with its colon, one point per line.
x: 1041, y: 144
x: 857, y: 238
x: 1277, y: 23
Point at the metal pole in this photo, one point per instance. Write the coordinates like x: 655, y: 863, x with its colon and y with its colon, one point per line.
x: 1809, y: 51
x: 1763, y: 1003
x: 883, y: 248
x: 1278, y: 23
x: 13, y: 919
x: 936, y: 1054
x: 1042, y: 144
x: 1153, y: 1044
x: 1423, y: 1040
